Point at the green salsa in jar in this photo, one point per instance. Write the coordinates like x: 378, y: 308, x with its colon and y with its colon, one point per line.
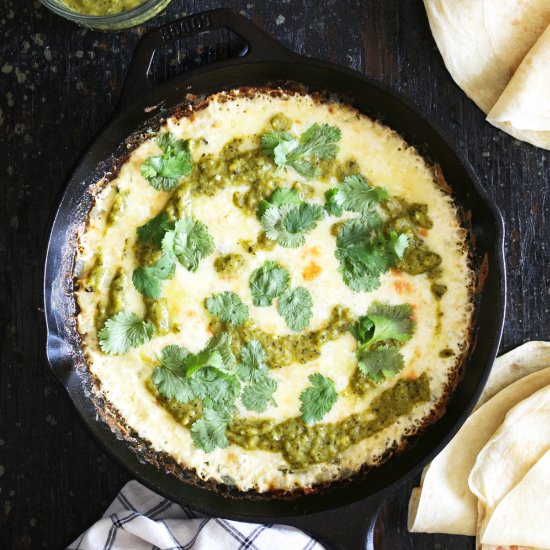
x: 107, y: 15
x: 102, y: 7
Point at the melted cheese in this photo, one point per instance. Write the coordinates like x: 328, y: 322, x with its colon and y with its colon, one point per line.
x: 386, y: 160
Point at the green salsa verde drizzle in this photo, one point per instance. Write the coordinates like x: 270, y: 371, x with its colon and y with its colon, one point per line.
x: 303, y: 444
x: 281, y: 351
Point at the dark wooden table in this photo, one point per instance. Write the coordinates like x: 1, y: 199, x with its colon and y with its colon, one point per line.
x: 58, y: 86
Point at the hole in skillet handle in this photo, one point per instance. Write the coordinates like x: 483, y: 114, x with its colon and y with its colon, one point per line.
x: 153, y: 50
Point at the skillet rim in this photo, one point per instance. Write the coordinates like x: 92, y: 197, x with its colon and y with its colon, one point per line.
x: 482, y: 197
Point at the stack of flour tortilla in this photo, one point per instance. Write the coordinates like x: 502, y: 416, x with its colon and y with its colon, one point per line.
x: 492, y: 480
x: 498, y: 52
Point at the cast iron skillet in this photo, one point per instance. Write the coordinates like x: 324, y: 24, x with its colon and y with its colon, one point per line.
x: 341, y: 516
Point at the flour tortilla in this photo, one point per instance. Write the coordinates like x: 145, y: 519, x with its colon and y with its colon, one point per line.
x: 443, y: 503
x: 521, y: 518
x: 517, y: 363
x: 482, y: 42
x: 522, y: 440
x: 523, y: 109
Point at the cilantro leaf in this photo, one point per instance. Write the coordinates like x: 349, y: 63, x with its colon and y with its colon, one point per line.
x: 189, y: 242
x: 169, y: 378
x: 288, y: 224
x: 355, y: 194
x: 205, y: 358
x: 153, y: 231
x: 165, y: 172
x: 147, y: 279
x: 278, y: 145
x: 124, y: 331
x: 258, y: 395
x: 221, y: 343
x: 364, y: 254
x: 352, y: 233
x: 217, y: 390
x: 331, y: 206
x: 380, y: 363
x: 169, y: 143
x: 384, y: 322
x: 252, y: 361
x: 216, y: 354
x: 362, y: 329
x: 228, y: 307
x: 397, y: 244
x: 173, y: 357
x: 208, y: 432
x: 280, y: 197
x: 388, y: 324
x: 317, y: 142
x: 268, y: 282
x: 305, y: 168
x: 295, y: 307
x: 317, y: 399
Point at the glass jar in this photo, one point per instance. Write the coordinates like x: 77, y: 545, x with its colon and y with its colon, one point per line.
x: 112, y: 22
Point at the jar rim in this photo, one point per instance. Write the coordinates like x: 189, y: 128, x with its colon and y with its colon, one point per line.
x: 58, y: 7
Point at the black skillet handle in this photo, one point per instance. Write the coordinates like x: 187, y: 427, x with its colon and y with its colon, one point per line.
x: 260, y: 46
x: 347, y: 528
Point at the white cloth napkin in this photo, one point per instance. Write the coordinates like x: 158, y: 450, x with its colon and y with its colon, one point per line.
x: 139, y: 519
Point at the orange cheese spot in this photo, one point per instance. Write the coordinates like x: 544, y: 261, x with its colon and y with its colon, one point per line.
x: 423, y: 231
x: 191, y: 313
x: 313, y: 251
x: 401, y: 286
x: 311, y: 271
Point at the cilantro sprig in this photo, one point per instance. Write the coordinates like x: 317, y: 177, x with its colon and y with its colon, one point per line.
x: 186, y: 240
x: 365, y: 253
x: 295, y: 306
x: 213, y: 377
x: 267, y: 283
x: 228, y: 307
x: 318, y: 398
x: 165, y: 172
x: 189, y: 241
x: 318, y: 142
x: 208, y: 376
x: 379, y: 335
x: 258, y: 392
x: 124, y: 331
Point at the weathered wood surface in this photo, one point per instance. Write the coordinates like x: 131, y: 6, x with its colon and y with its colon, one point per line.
x: 58, y: 86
